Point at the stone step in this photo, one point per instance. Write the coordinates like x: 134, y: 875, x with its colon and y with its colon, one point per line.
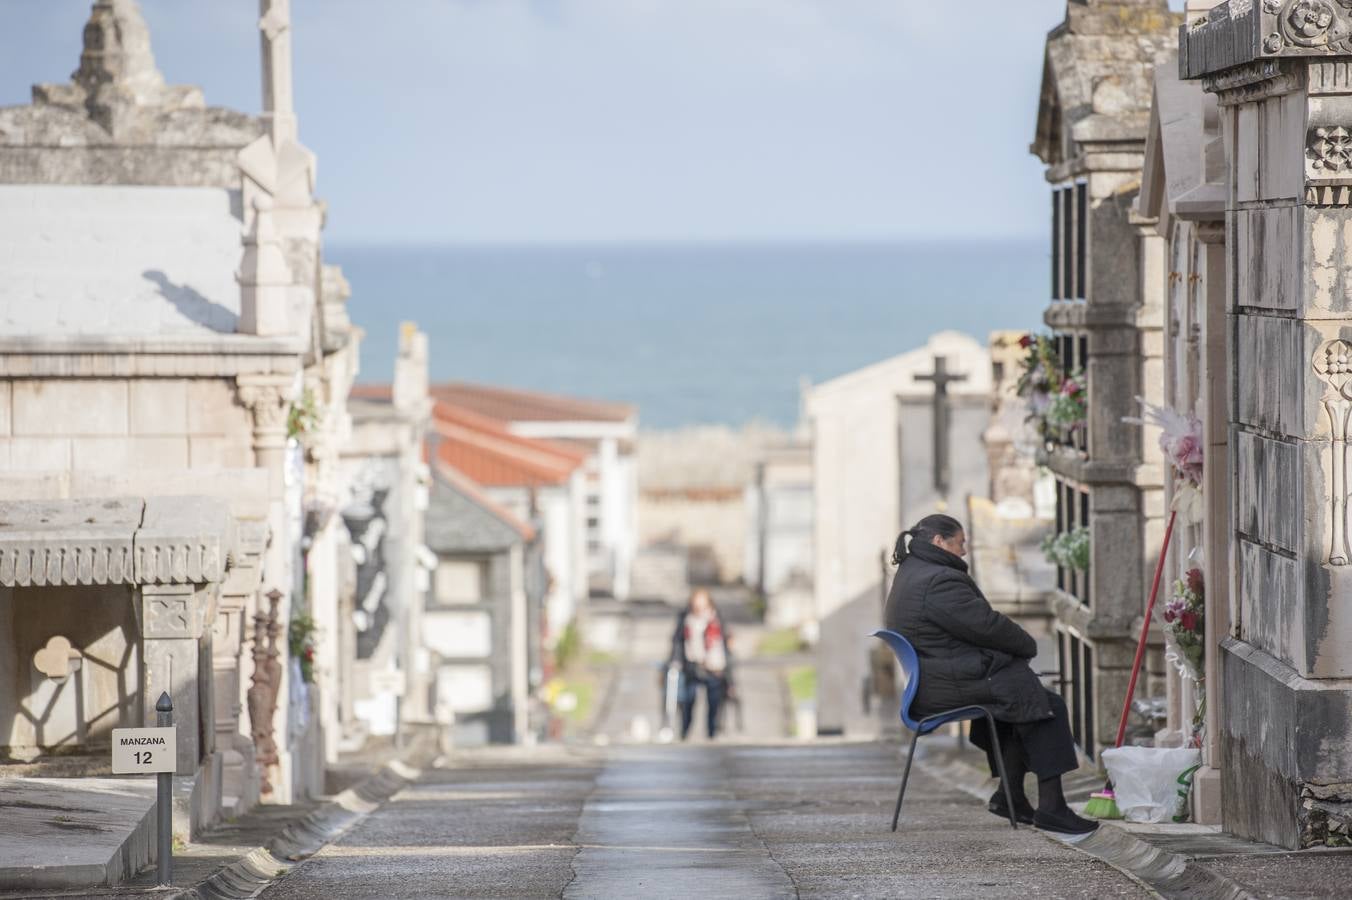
x: 74, y: 832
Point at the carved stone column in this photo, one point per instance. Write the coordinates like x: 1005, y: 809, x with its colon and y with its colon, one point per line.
x: 239, y: 785
x: 268, y: 398
x: 173, y: 619
x: 267, y: 680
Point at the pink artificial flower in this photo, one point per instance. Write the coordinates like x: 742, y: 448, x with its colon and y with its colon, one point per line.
x: 1169, y: 614
x: 1187, y: 456
x: 1025, y: 341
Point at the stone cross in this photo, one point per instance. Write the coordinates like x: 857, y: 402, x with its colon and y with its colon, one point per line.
x: 941, y: 378
x: 274, y: 26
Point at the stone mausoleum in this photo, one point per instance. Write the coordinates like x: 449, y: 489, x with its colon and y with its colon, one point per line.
x: 1280, y: 634
x: 1091, y: 130
x: 175, y: 360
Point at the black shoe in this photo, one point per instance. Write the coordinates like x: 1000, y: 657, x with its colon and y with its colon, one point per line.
x: 1023, y: 810
x: 1064, y: 821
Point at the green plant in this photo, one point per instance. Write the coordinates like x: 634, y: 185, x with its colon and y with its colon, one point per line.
x: 1067, y: 410
x: 301, y: 643
x: 566, y: 647
x: 758, y: 605
x: 803, y: 683
x: 303, y: 417
x: 779, y: 643
x: 1056, y: 401
x: 1068, y: 549
x: 1185, y: 623
x: 1041, y: 375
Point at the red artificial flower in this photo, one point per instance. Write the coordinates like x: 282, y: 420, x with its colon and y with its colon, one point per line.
x: 1189, y: 621
x: 1026, y: 341
x: 1195, y: 582
x: 1169, y: 615
x: 310, y: 653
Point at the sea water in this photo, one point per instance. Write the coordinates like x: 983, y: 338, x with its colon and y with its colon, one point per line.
x: 692, y: 334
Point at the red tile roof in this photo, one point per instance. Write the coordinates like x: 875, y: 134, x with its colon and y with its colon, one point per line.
x: 485, y: 451
x: 514, y: 405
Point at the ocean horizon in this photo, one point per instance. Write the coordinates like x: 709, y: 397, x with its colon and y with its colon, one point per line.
x: 692, y: 334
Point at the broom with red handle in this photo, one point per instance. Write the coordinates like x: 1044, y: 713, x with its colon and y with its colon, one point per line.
x: 1103, y: 804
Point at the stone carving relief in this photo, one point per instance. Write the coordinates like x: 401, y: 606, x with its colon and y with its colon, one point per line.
x: 169, y: 615
x: 268, y: 402
x: 58, y: 660
x: 1333, y: 365
x: 1309, y: 25
x: 1330, y: 149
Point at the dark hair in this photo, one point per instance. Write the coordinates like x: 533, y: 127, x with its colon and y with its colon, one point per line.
x: 925, y: 531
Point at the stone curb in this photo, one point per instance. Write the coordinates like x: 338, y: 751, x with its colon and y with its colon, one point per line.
x: 1163, y: 873
x: 253, y: 873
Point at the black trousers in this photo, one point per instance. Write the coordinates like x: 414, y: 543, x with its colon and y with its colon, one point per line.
x: 714, y: 688
x: 1046, y: 747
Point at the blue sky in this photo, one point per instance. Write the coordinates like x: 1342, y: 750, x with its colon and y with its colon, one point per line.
x: 639, y: 120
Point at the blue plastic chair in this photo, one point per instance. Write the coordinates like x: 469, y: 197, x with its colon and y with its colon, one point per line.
x: 910, y: 665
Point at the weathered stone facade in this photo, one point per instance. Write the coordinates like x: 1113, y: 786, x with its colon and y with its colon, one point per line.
x: 168, y: 329
x: 1091, y: 131
x: 1183, y: 193
x: 1279, y: 72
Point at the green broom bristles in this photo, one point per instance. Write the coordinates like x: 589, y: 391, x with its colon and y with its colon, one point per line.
x: 1103, y: 805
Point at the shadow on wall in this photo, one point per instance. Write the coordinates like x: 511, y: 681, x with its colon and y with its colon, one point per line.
x: 846, y: 688
x: 192, y: 305
x: 75, y: 714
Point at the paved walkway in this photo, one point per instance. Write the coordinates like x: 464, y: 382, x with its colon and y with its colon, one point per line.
x: 741, y: 821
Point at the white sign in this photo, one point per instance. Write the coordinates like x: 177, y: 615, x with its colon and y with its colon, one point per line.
x: 388, y: 681
x: 143, y: 751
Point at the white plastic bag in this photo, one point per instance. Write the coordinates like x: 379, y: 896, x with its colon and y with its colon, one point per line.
x: 1145, y: 779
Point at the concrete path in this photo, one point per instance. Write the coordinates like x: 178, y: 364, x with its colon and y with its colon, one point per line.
x: 631, y: 708
x: 738, y: 821
x: 664, y: 822
x: 495, y: 823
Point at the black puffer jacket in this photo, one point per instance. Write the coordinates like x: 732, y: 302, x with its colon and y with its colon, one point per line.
x: 969, y: 653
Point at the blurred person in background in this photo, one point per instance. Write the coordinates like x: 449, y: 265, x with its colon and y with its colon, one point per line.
x: 699, y: 651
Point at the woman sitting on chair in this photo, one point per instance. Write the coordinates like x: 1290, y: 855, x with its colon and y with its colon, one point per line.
x: 972, y: 655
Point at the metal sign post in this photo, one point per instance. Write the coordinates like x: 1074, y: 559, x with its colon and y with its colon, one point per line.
x: 146, y: 751
x: 164, y: 794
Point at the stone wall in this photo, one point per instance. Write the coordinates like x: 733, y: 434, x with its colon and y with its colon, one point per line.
x: 1285, y: 105
x: 1105, y: 311
x: 42, y: 715
x: 122, y: 424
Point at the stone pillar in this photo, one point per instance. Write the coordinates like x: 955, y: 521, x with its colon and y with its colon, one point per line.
x: 410, y: 396
x: 231, y: 632
x: 1218, y: 563
x: 173, y: 620
x: 264, y: 277
x: 268, y: 399
x: 1281, y: 76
